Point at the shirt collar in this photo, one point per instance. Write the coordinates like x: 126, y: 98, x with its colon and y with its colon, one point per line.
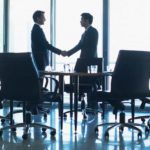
x: 88, y: 28
x: 37, y: 24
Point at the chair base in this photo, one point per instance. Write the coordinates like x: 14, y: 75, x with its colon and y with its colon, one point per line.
x: 84, y: 112
x: 143, y: 119
x: 121, y: 128
x: 7, y: 117
x: 43, y: 110
x: 27, y: 125
x: 139, y: 117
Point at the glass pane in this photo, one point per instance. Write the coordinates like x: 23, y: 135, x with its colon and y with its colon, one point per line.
x: 69, y: 30
x: 129, y: 26
x: 1, y: 25
x: 20, y: 23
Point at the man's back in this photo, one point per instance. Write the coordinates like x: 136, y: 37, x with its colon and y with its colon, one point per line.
x: 39, y: 49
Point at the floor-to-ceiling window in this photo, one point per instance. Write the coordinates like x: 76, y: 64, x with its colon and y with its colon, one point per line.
x: 129, y: 26
x: 20, y: 22
x: 68, y: 28
x: 1, y: 25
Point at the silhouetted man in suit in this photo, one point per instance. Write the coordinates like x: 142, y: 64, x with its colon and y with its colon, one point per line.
x: 88, y: 41
x: 87, y: 45
x: 40, y: 47
x: 39, y: 43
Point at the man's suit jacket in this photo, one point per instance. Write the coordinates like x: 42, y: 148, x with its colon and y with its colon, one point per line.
x: 40, y: 47
x: 87, y: 45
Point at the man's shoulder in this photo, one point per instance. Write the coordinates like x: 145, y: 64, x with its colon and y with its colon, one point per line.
x: 93, y: 28
x: 36, y: 28
x: 36, y: 25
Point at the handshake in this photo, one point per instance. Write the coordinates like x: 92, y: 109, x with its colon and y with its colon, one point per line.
x: 64, y: 53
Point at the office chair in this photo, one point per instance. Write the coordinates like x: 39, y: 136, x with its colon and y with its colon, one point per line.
x: 86, y: 84
x: 20, y: 81
x: 40, y: 109
x: 130, y: 81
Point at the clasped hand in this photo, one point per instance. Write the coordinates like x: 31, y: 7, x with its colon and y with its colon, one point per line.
x: 64, y: 53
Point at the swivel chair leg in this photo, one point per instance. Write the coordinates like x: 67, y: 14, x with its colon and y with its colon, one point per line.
x: 121, y: 126
x: 27, y: 123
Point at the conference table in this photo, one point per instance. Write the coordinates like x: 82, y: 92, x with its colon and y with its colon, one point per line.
x: 76, y: 76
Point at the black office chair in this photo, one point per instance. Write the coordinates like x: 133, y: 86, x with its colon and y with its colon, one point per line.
x: 86, y: 84
x: 20, y: 82
x: 130, y: 81
x: 40, y: 108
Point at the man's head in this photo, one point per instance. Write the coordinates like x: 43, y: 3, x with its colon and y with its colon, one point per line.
x: 38, y: 17
x: 86, y: 19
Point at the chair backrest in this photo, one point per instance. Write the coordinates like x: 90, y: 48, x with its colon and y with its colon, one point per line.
x: 81, y: 66
x: 82, y: 63
x: 19, y: 77
x: 131, y: 73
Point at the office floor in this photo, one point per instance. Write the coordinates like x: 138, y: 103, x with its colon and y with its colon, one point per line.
x: 85, y: 139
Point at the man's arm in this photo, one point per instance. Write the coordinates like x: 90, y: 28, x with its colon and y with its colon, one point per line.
x: 45, y: 44
x: 77, y: 47
x: 54, y: 49
x: 74, y: 50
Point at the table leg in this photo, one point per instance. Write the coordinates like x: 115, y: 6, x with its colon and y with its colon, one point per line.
x: 76, y: 99
x: 61, y: 91
x: 71, y: 96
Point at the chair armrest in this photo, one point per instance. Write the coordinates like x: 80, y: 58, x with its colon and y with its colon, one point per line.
x: 144, y: 101
x: 56, y: 84
x: 53, y: 79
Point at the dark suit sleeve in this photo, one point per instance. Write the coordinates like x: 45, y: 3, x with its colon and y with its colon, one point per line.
x: 43, y: 43
x: 54, y: 49
x: 87, y: 44
x: 76, y: 48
